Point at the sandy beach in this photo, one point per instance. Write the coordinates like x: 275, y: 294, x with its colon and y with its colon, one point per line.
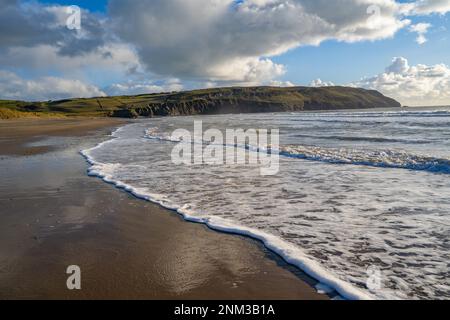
x: 53, y: 215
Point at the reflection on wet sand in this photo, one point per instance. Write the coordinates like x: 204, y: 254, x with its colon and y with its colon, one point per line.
x: 53, y: 215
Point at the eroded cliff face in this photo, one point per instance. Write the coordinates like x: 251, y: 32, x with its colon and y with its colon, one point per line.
x: 259, y: 100
x: 211, y: 107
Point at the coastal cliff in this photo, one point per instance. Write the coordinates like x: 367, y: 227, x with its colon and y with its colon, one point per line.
x: 212, y: 101
x: 258, y: 100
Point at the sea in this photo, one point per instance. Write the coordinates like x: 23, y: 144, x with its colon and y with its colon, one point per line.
x: 361, y: 200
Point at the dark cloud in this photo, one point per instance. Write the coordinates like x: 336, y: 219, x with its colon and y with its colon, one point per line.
x: 24, y: 24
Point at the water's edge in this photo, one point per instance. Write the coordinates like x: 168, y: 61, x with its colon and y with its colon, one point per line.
x: 288, y: 252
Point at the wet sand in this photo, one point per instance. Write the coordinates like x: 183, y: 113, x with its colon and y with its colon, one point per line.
x: 53, y: 215
x: 17, y: 135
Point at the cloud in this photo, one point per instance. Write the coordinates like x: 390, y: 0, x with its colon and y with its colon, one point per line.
x: 143, y: 87
x: 278, y: 83
x: 23, y: 25
x: 233, y: 41
x: 35, y: 42
x: 230, y: 40
x: 220, y: 42
x: 425, y: 7
x: 421, y: 29
x: 29, y: 24
x: 418, y: 85
x: 399, y: 65
x: 112, y: 58
x: 14, y: 87
x: 319, y: 83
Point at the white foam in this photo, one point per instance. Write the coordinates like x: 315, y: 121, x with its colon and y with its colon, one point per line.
x: 287, y: 251
x: 373, y: 158
x: 377, y: 158
x: 333, y: 221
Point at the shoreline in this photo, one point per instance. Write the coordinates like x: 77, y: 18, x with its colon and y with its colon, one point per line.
x: 289, y: 253
x: 126, y: 232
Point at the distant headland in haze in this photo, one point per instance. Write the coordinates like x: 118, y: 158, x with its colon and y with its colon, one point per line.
x: 205, y: 101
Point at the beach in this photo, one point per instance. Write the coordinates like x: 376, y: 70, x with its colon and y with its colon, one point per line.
x: 359, y: 197
x: 53, y: 215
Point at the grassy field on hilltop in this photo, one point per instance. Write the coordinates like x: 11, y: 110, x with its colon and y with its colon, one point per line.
x: 205, y: 101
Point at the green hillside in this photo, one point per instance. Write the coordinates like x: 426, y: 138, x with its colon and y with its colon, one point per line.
x: 207, y: 101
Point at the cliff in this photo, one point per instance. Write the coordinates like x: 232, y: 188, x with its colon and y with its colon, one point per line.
x: 258, y: 99
x: 214, y: 101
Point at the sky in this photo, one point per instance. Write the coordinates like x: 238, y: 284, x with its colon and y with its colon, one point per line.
x: 117, y: 47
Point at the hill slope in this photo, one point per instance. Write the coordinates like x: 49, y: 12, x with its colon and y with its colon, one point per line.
x: 212, y: 101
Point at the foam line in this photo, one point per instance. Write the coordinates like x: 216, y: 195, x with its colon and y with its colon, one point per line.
x: 379, y: 158
x: 290, y: 253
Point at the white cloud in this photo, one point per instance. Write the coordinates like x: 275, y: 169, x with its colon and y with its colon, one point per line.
x: 399, y: 65
x: 421, y: 29
x: 226, y: 41
x: 425, y: 7
x: 233, y: 41
x: 319, y: 83
x: 418, y: 85
x: 111, y: 58
x: 252, y: 71
x: 16, y: 88
x: 144, y: 87
x: 278, y: 83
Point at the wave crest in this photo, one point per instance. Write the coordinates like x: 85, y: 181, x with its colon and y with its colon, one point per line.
x: 379, y: 158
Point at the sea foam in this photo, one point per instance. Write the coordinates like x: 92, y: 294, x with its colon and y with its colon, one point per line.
x: 288, y: 252
x: 337, y: 206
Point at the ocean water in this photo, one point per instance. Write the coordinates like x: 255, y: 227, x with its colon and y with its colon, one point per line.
x: 361, y: 201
